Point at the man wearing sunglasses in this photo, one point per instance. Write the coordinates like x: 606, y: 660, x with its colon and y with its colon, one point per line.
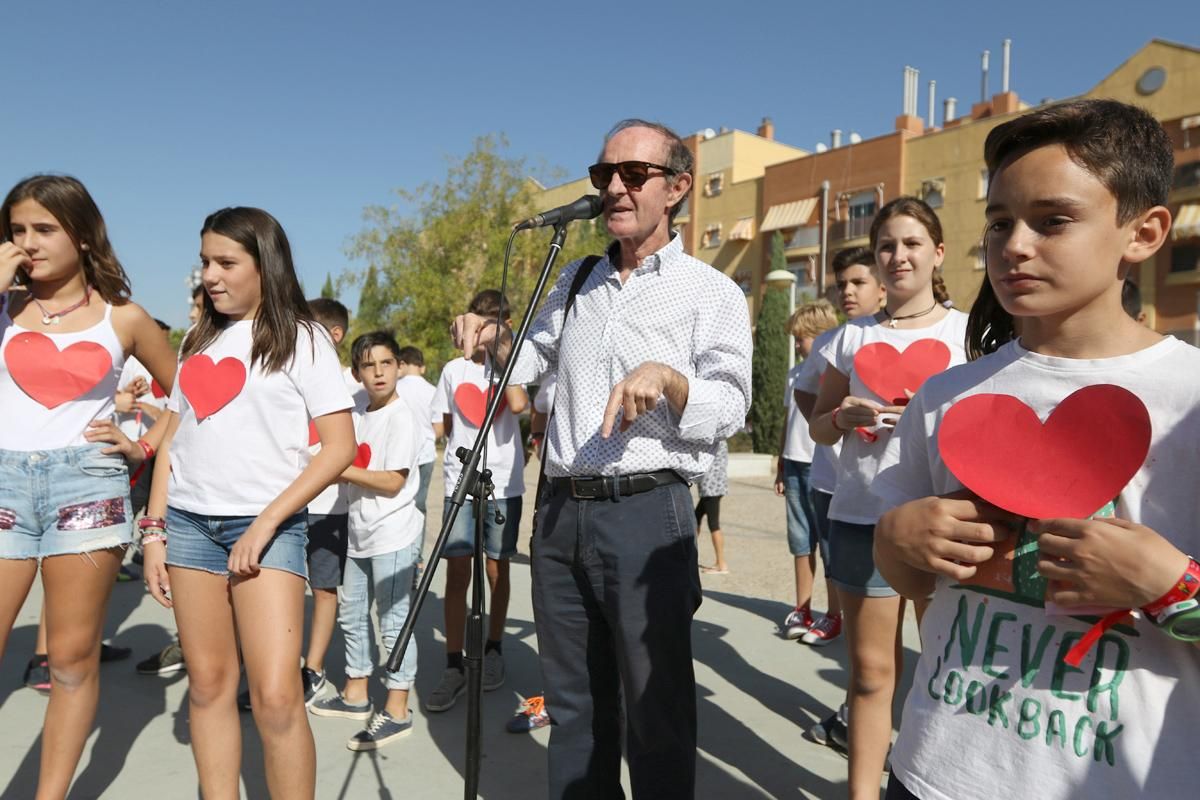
x: 653, y: 364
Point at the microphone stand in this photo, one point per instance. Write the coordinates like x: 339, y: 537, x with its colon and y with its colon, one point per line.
x: 477, y: 483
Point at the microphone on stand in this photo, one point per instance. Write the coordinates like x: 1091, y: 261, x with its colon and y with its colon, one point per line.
x: 587, y: 207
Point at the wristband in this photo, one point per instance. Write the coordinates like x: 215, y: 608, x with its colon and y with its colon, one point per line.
x: 152, y: 523
x: 1186, y: 588
x: 157, y: 536
x: 833, y: 419
x: 146, y: 449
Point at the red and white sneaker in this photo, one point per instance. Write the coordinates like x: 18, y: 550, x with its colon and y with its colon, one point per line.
x: 823, y: 632
x: 797, y: 623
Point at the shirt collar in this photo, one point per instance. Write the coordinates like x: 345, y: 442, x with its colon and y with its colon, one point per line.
x: 666, y: 255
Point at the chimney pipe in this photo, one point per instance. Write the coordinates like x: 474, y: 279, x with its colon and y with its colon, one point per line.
x: 932, y: 105
x: 1004, y: 61
x: 767, y: 129
x: 914, y: 98
x: 835, y: 139
x: 907, y: 90
x: 948, y: 108
x: 983, y: 85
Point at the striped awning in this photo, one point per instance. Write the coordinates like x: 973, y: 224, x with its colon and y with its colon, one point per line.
x: 789, y: 215
x: 1187, y: 222
x: 743, y: 231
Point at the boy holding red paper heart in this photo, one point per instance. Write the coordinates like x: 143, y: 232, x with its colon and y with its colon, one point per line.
x: 462, y: 396
x: 875, y: 364
x: 1036, y: 669
x: 384, y: 544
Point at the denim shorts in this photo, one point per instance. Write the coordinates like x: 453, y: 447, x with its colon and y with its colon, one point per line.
x: 64, y: 501
x: 499, y: 540
x: 801, y: 524
x: 201, y: 541
x: 852, y: 560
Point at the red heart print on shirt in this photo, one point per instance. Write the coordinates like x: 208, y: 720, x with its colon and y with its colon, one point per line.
x: 472, y: 404
x: 210, y: 386
x: 313, y: 436
x: 156, y: 391
x: 362, y: 457
x: 1084, y: 454
x: 52, y: 376
x: 888, y: 372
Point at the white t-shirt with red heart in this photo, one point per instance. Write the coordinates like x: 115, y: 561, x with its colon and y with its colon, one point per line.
x: 991, y: 687
x: 388, y: 439
x: 881, y: 363
x: 822, y: 476
x: 333, y: 499
x: 461, y: 392
x: 53, y: 384
x: 243, y: 433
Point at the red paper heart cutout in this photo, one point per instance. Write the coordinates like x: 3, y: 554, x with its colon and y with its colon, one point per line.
x: 362, y: 458
x: 156, y: 390
x: 1089, y: 448
x: 472, y: 404
x: 52, y: 376
x: 887, y: 372
x: 209, y: 387
x: 313, y: 436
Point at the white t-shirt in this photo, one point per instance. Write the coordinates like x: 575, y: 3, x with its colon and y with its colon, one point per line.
x: 243, y: 433
x: 332, y: 500
x: 134, y: 424
x: 822, y: 475
x: 378, y: 523
x: 859, y: 458
x: 418, y: 394
x: 993, y: 709
x: 797, y: 444
x: 461, y: 391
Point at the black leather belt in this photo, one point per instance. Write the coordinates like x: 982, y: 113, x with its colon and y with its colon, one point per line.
x: 607, y: 487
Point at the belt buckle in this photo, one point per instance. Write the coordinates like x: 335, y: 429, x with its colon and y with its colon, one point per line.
x: 575, y: 493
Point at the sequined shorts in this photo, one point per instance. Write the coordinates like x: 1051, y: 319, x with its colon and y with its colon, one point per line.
x: 64, y: 501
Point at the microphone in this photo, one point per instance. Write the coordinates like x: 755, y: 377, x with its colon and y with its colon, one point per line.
x: 587, y: 207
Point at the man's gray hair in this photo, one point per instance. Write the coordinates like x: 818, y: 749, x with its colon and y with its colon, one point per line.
x: 679, y: 158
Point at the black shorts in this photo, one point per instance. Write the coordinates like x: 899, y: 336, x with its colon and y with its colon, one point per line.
x: 328, y: 538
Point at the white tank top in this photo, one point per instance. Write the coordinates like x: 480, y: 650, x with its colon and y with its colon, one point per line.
x: 53, y: 384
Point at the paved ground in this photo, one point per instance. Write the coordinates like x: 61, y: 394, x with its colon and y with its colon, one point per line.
x: 756, y: 691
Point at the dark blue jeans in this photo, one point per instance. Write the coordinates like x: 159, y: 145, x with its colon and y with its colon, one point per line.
x: 615, y: 586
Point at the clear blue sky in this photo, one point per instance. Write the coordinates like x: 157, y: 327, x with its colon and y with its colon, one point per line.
x: 313, y: 110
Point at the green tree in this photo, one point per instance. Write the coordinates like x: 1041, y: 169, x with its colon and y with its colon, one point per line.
x: 327, y: 291
x: 449, y: 244
x: 769, y: 366
x: 372, y: 308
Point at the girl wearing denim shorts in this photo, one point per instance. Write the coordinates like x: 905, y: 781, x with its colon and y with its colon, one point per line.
x: 66, y: 327
x: 227, y: 548
x: 875, y: 363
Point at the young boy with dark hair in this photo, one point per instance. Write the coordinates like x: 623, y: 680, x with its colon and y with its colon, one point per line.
x: 1060, y: 652
x: 461, y: 398
x: 384, y: 543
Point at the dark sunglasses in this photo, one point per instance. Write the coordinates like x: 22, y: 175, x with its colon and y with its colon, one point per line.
x: 634, y: 174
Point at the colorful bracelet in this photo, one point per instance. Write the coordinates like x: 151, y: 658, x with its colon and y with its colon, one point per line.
x: 154, y: 523
x: 146, y: 449
x: 1186, y: 588
x: 154, y: 536
x: 833, y: 419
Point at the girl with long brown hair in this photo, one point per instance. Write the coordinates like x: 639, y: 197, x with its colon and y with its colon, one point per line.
x: 66, y: 327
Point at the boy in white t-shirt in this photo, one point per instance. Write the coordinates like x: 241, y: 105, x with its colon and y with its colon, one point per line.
x: 384, y: 543
x: 797, y: 451
x: 461, y: 398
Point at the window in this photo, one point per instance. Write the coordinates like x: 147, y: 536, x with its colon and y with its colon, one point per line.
x: 983, y: 184
x: 713, y: 184
x: 862, y: 211
x: 933, y: 191
x: 1185, y: 258
x: 712, y: 236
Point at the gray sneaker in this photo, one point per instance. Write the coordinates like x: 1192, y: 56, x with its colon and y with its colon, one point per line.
x: 336, y: 706
x: 493, y: 670
x: 453, y: 683
x: 382, y: 729
x: 166, y: 662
